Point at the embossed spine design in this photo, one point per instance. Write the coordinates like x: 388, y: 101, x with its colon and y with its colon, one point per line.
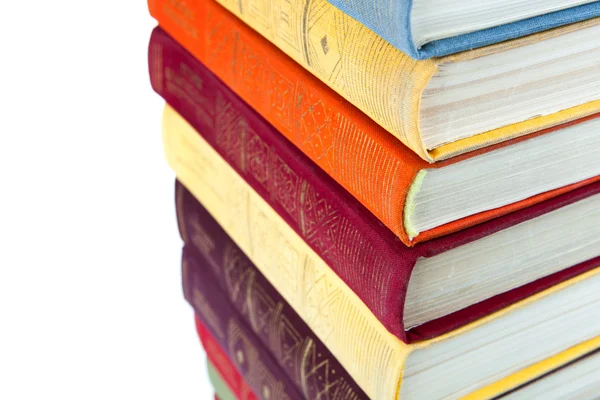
x: 332, y: 311
x: 305, y: 359
x: 244, y: 351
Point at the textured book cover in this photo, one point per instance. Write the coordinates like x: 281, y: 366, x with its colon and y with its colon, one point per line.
x: 337, y: 50
x: 258, y: 368
x: 373, y: 357
x: 392, y: 21
x: 213, y: 259
x: 378, y: 173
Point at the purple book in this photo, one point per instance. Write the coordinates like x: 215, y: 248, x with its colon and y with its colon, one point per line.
x: 216, y: 268
x: 366, y: 255
x: 259, y: 369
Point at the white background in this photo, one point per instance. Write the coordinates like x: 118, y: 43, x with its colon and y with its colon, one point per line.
x: 91, y: 305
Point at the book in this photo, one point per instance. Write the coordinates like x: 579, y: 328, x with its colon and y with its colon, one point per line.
x: 415, y: 200
x: 331, y: 222
x: 424, y: 28
x: 532, y: 382
x: 463, y: 361
x: 439, y: 108
x: 251, y: 360
x: 279, y: 331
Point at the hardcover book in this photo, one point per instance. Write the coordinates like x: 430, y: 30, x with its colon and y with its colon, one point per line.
x: 439, y: 107
x: 414, y: 199
x: 252, y: 361
x: 215, y: 261
x: 460, y: 362
x: 428, y: 28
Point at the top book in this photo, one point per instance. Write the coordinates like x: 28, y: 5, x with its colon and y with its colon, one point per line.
x: 434, y: 28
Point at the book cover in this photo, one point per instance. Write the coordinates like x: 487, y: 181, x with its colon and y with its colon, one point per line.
x: 392, y: 21
x: 251, y: 360
x: 374, y: 169
x: 341, y: 53
x: 213, y: 259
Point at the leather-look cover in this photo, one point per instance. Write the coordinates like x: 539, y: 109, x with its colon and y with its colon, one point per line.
x: 243, y: 348
x: 280, y: 331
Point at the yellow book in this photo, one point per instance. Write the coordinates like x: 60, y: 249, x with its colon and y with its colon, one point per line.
x: 439, y: 107
x: 463, y: 361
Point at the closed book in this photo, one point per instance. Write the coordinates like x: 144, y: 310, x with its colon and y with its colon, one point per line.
x: 439, y: 108
x: 376, y: 359
x: 252, y: 361
x: 213, y: 259
x: 409, y: 25
x: 416, y: 200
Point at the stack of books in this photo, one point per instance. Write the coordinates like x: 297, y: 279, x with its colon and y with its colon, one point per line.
x: 387, y: 199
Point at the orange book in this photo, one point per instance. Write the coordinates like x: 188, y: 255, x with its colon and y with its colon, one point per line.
x: 383, y: 174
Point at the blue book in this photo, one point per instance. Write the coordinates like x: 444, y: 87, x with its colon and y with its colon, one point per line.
x: 432, y: 28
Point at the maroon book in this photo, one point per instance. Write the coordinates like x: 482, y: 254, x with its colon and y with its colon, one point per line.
x: 367, y: 256
x: 251, y: 359
x: 215, y: 267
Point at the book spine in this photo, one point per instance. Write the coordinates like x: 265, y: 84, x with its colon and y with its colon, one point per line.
x: 246, y: 353
x: 359, y: 154
x: 372, y: 355
x: 302, y: 356
x: 361, y: 251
